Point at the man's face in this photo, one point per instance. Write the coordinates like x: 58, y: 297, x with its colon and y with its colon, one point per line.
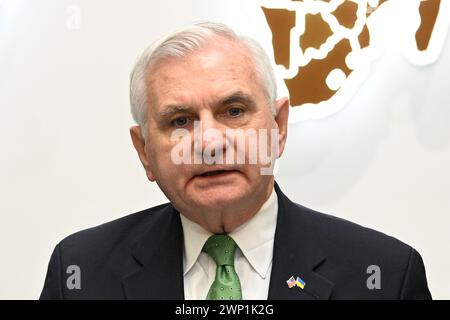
x: 217, y: 88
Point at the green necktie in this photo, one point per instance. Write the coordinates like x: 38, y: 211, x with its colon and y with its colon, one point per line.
x: 226, y: 286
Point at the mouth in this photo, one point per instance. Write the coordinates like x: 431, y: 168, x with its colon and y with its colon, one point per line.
x: 215, y: 173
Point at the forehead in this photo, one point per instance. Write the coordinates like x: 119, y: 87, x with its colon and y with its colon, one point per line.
x: 220, y: 66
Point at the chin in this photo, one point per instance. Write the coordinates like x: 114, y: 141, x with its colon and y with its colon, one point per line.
x: 220, y: 197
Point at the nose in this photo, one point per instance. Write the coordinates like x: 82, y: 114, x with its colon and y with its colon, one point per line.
x: 210, y: 142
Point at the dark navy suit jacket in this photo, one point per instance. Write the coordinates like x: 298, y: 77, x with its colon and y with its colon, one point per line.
x: 140, y: 256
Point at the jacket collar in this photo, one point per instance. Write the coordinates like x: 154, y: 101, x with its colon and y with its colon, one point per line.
x: 159, y: 251
x: 297, y: 253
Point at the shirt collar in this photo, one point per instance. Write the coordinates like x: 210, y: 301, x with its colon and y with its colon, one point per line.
x: 254, y: 238
x: 194, y: 239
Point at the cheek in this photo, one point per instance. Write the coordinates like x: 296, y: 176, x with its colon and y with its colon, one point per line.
x: 259, y: 145
x: 162, y: 165
x: 158, y: 160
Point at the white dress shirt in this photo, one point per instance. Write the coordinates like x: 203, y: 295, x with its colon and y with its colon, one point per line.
x: 253, y: 259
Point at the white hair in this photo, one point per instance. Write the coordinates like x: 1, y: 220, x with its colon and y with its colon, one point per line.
x: 184, y: 42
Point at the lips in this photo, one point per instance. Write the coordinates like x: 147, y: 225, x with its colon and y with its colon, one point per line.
x: 214, y: 173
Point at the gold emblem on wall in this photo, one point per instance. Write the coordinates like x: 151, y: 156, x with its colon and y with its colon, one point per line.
x: 314, y: 41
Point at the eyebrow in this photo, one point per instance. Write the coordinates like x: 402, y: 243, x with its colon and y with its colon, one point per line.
x: 239, y: 97
x: 235, y: 97
x: 173, y: 109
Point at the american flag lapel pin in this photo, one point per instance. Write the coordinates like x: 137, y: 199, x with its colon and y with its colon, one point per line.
x: 291, y: 282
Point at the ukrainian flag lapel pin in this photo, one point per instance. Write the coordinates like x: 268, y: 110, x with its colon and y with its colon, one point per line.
x: 299, y: 282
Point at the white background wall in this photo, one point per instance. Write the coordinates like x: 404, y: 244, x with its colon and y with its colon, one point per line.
x: 67, y: 163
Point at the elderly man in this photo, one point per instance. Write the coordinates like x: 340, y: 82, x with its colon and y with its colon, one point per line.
x: 201, y: 96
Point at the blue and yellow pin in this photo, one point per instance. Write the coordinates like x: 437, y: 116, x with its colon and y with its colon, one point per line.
x: 300, y: 283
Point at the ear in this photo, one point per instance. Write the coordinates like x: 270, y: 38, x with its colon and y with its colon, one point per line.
x: 281, y: 118
x: 139, y: 145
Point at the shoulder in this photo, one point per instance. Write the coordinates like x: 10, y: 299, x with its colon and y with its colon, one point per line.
x: 354, y: 240
x: 104, y: 255
x: 117, y: 234
x: 354, y: 252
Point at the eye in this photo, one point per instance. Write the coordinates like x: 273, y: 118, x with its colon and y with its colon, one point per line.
x: 179, y: 122
x: 235, y: 112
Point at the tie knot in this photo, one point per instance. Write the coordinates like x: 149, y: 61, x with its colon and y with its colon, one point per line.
x: 221, y: 249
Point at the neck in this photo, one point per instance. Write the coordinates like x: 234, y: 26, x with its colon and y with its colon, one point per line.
x: 228, y: 219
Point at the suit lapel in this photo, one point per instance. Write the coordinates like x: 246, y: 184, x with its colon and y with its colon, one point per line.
x: 159, y: 251
x: 296, y: 253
